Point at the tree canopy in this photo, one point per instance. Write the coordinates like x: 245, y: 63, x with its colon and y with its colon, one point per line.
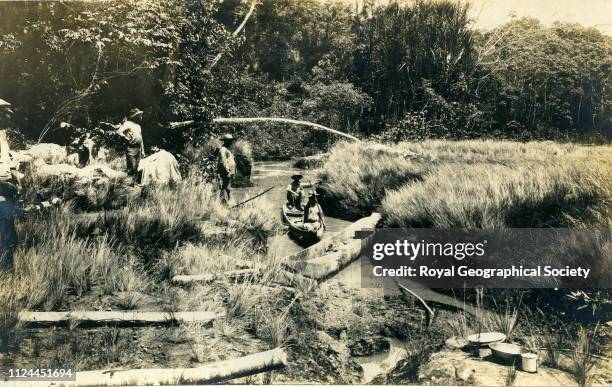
x: 396, y: 71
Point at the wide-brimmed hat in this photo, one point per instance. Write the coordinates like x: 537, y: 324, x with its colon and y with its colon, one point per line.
x: 296, y: 177
x: 3, y: 103
x: 313, y: 194
x: 135, y: 112
x: 227, y: 137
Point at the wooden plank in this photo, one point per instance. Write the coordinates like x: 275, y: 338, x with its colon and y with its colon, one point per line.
x: 211, y: 373
x: 110, y: 317
x: 207, y: 278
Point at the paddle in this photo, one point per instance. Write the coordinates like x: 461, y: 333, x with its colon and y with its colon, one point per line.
x: 254, y: 197
x: 321, y: 217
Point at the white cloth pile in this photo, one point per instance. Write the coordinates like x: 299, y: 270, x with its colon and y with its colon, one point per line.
x: 159, y: 168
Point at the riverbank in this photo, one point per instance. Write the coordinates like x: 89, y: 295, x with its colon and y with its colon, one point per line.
x: 492, y: 185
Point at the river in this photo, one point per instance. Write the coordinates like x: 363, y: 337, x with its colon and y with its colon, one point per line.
x: 278, y: 174
x: 266, y: 174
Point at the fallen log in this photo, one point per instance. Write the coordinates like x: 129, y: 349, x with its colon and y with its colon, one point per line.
x: 247, y: 120
x: 332, y: 241
x: 330, y: 263
x: 114, y: 317
x: 333, y: 253
x: 207, y: 278
x: 212, y: 373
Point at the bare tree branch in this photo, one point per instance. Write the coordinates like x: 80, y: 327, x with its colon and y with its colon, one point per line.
x: 236, y: 32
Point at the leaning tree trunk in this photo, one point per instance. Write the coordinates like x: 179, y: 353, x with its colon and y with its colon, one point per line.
x: 248, y: 120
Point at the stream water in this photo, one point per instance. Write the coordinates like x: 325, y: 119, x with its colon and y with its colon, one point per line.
x: 278, y: 174
x: 266, y: 174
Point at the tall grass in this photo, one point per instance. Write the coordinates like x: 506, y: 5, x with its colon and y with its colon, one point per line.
x: 184, y: 213
x: 583, y: 355
x: 355, y: 177
x: 476, y: 184
x: 495, y: 197
x: 66, y: 253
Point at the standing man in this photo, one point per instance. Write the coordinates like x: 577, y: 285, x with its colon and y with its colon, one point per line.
x: 10, y: 185
x: 131, y: 131
x: 226, y: 166
x: 85, y: 148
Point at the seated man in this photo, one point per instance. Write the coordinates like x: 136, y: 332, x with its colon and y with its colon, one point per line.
x: 312, y: 214
x: 295, y: 193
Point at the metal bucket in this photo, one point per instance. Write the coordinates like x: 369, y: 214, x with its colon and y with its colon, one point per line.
x: 530, y: 362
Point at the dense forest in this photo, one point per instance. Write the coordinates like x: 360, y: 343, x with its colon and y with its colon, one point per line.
x: 401, y: 71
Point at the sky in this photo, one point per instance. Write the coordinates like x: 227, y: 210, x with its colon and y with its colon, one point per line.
x: 593, y: 13
x: 488, y: 14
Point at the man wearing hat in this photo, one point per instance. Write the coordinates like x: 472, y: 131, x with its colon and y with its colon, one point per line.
x: 295, y: 193
x: 226, y: 166
x: 131, y: 131
x: 10, y: 185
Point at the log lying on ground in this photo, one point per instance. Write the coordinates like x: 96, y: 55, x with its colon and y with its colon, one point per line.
x: 212, y: 373
x: 330, y: 241
x: 207, y: 278
x: 120, y: 318
x: 328, y: 264
x: 334, y: 253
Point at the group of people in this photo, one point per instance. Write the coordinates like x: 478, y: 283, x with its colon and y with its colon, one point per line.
x: 295, y: 197
x: 129, y: 130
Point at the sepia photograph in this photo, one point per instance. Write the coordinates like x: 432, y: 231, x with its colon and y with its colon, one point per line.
x: 329, y: 192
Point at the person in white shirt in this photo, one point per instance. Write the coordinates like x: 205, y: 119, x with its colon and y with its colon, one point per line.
x: 226, y: 167
x: 10, y: 185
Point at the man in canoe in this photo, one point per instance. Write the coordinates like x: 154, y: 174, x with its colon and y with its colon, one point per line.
x: 295, y: 193
x: 226, y: 166
x: 312, y: 214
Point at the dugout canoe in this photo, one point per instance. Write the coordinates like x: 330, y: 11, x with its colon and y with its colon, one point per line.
x: 295, y: 220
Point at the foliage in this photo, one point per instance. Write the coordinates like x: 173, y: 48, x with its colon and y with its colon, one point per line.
x: 546, y: 77
x: 583, y: 355
x: 401, y: 46
x: 524, y: 193
x: 89, y: 62
x: 397, y: 71
x: 356, y: 177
